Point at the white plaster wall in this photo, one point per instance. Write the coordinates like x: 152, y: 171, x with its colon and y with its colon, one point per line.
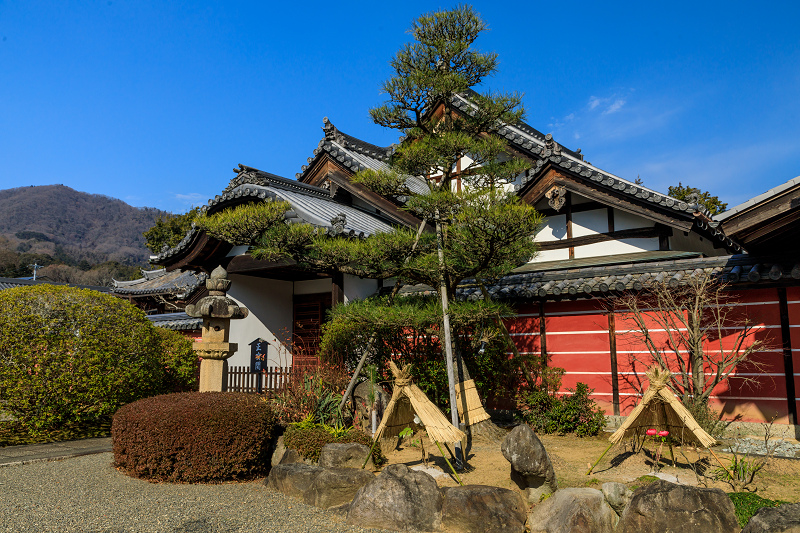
x: 270, y: 304
x: 356, y: 288
x: 313, y: 286
x: 624, y: 220
x: 553, y: 229
x: 693, y: 243
x: 551, y: 255
x: 589, y: 222
x: 624, y: 246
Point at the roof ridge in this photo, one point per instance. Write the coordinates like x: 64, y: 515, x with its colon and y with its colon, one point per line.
x: 337, y: 144
x: 354, y: 143
x: 252, y: 176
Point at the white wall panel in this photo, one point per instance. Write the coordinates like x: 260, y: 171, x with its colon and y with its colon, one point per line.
x: 270, y: 318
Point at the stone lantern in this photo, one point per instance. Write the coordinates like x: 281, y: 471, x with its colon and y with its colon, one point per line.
x: 216, y: 310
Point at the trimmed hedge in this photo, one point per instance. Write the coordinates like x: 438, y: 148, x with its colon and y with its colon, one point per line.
x: 194, y: 437
x: 74, y: 356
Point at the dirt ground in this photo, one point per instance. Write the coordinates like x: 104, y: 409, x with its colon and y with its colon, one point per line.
x: 571, y: 457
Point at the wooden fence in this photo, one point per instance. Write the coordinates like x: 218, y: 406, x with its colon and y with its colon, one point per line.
x: 240, y: 379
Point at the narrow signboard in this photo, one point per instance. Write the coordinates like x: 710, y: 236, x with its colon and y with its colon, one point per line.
x: 258, y: 360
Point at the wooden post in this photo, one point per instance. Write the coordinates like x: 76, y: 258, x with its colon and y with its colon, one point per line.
x: 788, y: 363
x: 612, y: 348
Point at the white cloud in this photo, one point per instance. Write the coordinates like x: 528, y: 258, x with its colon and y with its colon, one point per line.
x: 192, y: 198
x: 616, y: 106
x: 594, y: 102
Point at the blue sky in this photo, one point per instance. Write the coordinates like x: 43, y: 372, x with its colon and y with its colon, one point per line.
x: 155, y: 102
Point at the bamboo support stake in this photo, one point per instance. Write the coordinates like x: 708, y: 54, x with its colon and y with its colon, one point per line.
x: 720, y: 463
x: 599, y: 459
x: 448, y: 463
x: 374, y: 442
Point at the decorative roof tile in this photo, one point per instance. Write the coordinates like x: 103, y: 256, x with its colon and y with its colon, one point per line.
x: 178, y: 283
x: 176, y: 321
x: 309, y: 204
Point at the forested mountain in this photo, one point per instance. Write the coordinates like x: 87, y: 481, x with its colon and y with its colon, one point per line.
x: 72, y: 227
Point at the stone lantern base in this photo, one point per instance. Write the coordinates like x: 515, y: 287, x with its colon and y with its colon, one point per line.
x: 214, y: 365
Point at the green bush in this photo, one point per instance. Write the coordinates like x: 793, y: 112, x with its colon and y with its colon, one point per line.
x: 179, y: 361
x: 308, y: 438
x: 746, y: 504
x: 571, y: 413
x: 73, y: 355
x: 194, y: 437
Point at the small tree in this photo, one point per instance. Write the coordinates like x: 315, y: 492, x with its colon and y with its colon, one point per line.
x: 704, y: 198
x: 691, y: 330
x: 169, y: 230
x: 481, y: 230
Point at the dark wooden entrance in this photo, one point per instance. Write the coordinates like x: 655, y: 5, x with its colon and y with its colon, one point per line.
x: 309, y: 314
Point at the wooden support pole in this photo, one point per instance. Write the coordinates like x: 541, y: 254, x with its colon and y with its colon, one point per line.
x: 448, y: 464
x: 599, y: 459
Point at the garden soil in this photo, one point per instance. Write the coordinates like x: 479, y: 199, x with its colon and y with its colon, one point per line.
x: 571, y: 457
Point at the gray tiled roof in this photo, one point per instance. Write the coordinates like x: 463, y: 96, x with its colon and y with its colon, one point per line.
x: 309, y: 204
x: 178, y: 283
x: 758, y: 199
x: 606, y: 279
x: 176, y: 321
x: 544, y: 149
x: 357, y: 155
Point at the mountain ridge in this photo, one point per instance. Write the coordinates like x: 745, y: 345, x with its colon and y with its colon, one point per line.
x: 60, y: 221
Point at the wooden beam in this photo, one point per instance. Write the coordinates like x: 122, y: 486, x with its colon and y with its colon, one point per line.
x: 576, y: 208
x: 568, y: 212
x: 589, y: 189
x: 759, y: 214
x: 542, y: 334
x: 337, y: 288
x: 636, y: 233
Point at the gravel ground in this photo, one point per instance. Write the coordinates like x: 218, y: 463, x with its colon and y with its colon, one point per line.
x: 87, y: 494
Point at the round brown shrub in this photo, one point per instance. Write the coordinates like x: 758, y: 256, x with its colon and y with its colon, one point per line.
x: 194, y: 437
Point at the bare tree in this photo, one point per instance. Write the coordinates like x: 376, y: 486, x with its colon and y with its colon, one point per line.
x: 693, y: 330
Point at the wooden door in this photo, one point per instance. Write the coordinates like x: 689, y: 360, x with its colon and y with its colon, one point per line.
x: 309, y: 314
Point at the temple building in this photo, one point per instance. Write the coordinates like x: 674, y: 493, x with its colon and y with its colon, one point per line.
x: 603, y: 236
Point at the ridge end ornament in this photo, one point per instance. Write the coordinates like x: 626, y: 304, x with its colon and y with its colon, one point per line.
x: 556, y: 197
x: 338, y: 223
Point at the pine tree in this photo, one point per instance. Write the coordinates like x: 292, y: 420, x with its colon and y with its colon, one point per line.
x: 472, y: 226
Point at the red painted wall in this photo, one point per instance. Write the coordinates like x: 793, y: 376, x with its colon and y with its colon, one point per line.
x: 577, y: 339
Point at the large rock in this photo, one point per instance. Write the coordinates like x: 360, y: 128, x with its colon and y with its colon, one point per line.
x: 279, y: 450
x: 483, y: 509
x: 617, y: 495
x: 580, y: 510
x: 344, y: 455
x: 361, y: 397
x: 782, y: 519
x: 292, y: 479
x: 531, y: 468
x: 664, y: 507
x: 334, y: 486
x: 398, y: 499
